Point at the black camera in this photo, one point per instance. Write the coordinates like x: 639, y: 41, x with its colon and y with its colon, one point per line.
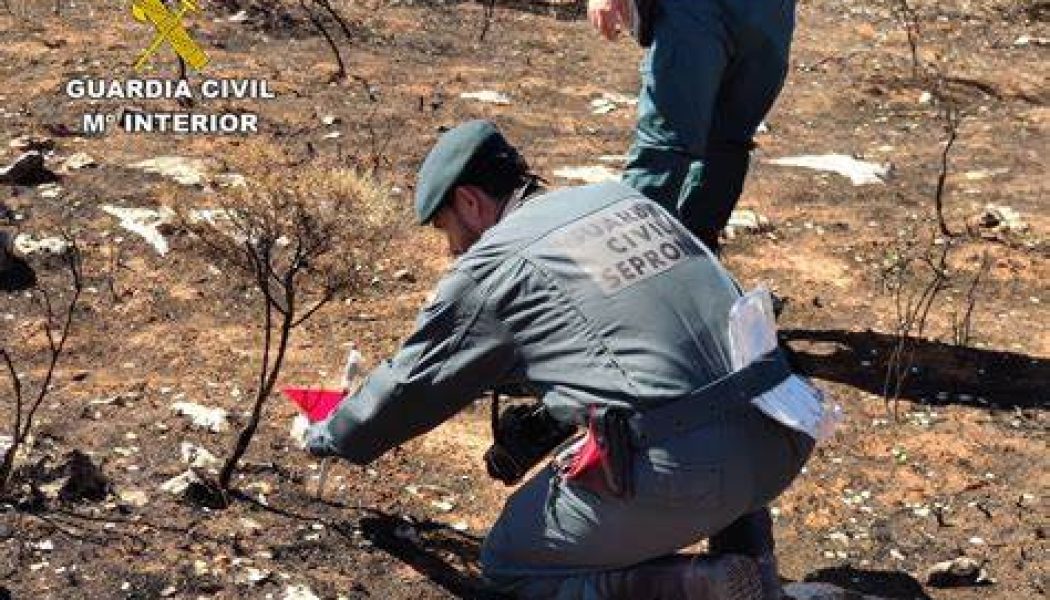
x: 522, y: 435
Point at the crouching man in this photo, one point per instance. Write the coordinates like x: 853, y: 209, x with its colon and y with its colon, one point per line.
x: 603, y: 303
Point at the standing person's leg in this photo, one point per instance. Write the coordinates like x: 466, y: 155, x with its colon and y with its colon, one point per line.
x: 751, y: 83
x: 681, y: 75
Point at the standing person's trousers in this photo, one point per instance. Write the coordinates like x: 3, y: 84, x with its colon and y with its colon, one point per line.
x: 711, y: 75
x: 559, y: 540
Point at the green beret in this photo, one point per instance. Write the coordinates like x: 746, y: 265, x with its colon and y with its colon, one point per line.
x: 452, y: 159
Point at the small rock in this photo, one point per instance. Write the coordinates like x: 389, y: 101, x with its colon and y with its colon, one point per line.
x: 602, y: 106
x: 27, y: 169
x: 197, y: 457
x: 331, y: 120
x: 1027, y: 40
x: 180, y: 483
x: 144, y: 222
x: 230, y: 180
x: 487, y: 96
x: 125, y: 452
x: 251, y: 525
x: 203, y: 417
x: 982, y: 174
x: 26, y: 245
x: 120, y: 400
x: 959, y: 572
x: 1001, y: 218
x: 260, y: 487
x: 838, y: 536
x: 299, y: 592
x: 183, y: 170
x: 299, y: 430
x: 50, y: 190
x: 333, y: 135
x: 404, y: 275
x: 136, y: 498
x: 443, y: 505
x: 32, y: 143
x: 746, y: 220
x: 618, y: 98
x: 610, y: 101
x: 44, y: 546
x: 254, y: 576
x: 80, y: 160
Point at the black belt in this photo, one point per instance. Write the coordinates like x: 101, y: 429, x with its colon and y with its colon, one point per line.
x: 705, y: 404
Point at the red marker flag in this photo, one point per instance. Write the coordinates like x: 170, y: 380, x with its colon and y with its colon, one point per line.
x: 316, y: 403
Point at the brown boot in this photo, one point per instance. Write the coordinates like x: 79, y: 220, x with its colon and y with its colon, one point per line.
x: 685, y: 577
x: 724, y: 577
x: 752, y: 535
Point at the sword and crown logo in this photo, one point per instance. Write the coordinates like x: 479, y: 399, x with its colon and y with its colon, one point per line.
x: 169, y: 28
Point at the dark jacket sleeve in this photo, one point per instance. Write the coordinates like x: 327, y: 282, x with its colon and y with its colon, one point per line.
x: 458, y: 350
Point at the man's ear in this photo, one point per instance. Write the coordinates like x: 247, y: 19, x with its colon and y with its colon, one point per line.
x: 471, y: 202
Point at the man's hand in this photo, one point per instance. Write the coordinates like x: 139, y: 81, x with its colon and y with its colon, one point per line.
x: 607, y: 16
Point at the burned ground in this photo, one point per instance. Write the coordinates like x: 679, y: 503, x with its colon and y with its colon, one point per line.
x: 955, y: 466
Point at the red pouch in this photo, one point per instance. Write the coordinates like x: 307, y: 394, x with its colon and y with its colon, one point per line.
x: 587, y: 467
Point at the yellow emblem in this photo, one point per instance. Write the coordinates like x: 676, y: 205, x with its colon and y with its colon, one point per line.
x: 169, y: 29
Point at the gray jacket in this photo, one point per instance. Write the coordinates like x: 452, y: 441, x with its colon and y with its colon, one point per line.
x: 593, y: 295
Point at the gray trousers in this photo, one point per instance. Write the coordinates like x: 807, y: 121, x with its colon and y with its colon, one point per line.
x: 558, y: 540
x: 708, y: 80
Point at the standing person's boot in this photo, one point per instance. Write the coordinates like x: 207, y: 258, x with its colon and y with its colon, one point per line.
x: 752, y: 535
